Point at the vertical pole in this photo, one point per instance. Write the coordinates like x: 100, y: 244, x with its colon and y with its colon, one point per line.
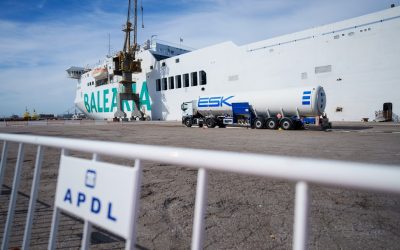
x: 53, y: 231
x: 301, y: 216
x: 199, y: 210
x: 13, y: 198
x: 56, y: 219
x: 130, y: 243
x: 87, y: 232
x: 32, y: 201
x: 3, y: 163
x: 88, y: 227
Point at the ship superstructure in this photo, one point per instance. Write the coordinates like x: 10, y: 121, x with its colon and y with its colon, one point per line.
x: 356, y: 61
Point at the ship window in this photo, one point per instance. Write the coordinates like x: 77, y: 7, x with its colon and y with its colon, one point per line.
x: 177, y: 60
x: 194, y: 78
x: 158, y: 85
x: 101, y: 82
x: 203, y: 77
x: 186, y: 80
x: 336, y: 37
x: 339, y: 109
x: 151, y: 67
x: 178, y: 80
x: 304, y: 75
x: 351, y: 34
x: 163, y: 64
x: 164, y: 84
x: 171, y: 82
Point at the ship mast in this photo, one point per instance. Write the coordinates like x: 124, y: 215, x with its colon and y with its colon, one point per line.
x: 126, y: 64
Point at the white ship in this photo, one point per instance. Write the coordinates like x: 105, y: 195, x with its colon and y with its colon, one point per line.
x: 356, y: 61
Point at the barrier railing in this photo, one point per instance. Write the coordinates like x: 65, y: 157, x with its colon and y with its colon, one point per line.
x: 372, y: 177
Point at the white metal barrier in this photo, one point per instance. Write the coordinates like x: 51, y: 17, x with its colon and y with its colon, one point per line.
x: 373, y: 177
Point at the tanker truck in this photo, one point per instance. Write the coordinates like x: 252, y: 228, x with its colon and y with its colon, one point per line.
x: 272, y: 109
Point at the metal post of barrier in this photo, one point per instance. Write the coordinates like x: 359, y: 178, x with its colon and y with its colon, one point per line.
x: 301, y: 212
x: 88, y: 227
x: 130, y: 244
x: 13, y: 198
x: 53, y: 231
x: 32, y: 201
x: 199, y: 210
x: 55, y: 220
x: 3, y: 163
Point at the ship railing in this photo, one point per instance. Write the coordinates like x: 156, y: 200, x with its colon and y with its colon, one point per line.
x: 302, y: 171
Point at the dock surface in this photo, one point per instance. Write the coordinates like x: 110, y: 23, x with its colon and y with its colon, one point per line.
x: 244, y: 212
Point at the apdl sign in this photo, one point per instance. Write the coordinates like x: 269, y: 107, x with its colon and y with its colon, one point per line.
x: 99, y: 192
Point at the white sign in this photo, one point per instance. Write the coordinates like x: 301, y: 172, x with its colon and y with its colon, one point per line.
x: 99, y: 192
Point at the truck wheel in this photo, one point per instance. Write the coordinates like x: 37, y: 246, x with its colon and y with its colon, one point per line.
x: 272, y: 123
x: 259, y: 123
x: 286, y: 124
x: 188, y: 122
x: 210, y: 123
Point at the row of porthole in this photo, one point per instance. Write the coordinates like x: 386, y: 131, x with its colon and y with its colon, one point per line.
x: 175, y: 82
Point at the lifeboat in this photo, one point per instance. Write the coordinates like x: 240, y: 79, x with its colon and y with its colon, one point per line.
x: 99, y: 73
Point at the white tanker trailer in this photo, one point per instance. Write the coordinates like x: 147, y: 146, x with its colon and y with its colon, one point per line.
x: 271, y: 109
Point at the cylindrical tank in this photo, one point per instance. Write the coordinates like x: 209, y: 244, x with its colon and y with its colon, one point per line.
x: 305, y: 101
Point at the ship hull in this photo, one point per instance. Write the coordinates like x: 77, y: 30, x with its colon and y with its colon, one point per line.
x: 356, y: 61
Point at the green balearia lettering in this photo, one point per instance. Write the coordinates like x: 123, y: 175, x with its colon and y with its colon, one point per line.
x: 99, y: 108
x: 105, y: 100
x: 144, y: 96
x: 86, y: 101
x: 94, y: 102
x: 114, y: 99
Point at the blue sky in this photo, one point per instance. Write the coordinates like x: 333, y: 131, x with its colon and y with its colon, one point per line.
x: 39, y: 39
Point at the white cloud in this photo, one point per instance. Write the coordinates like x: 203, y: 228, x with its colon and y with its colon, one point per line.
x: 35, y: 57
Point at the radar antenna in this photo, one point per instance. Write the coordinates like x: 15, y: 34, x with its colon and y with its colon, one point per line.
x: 126, y: 64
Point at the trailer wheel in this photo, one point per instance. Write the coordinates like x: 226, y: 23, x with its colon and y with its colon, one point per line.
x: 286, y: 124
x: 188, y: 122
x: 210, y: 123
x: 259, y: 123
x: 272, y: 123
